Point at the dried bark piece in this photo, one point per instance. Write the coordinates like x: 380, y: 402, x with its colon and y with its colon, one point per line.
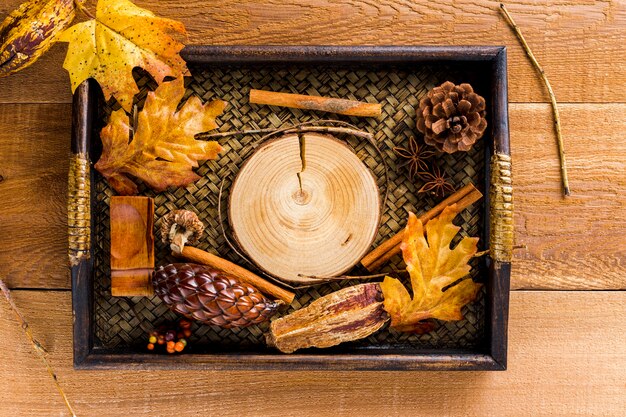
x: 348, y: 314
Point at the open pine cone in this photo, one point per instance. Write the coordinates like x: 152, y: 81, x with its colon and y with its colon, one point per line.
x: 452, y: 117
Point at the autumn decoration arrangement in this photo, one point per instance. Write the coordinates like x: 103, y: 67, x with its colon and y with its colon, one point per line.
x: 304, y: 209
x: 157, y: 145
x: 439, y: 284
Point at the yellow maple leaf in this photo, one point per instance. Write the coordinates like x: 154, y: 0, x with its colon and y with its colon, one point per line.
x: 163, y: 150
x: 120, y: 38
x: 432, y: 266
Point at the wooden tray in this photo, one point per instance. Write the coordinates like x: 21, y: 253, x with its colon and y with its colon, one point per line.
x: 108, y: 332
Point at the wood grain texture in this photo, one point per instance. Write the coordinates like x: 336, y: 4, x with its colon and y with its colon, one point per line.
x: 563, y: 360
x: 574, y: 243
x: 132, y: 245
x: 334, y: 217
x: 578, y: 42
x: 34, y: 158
x: 577, y: 242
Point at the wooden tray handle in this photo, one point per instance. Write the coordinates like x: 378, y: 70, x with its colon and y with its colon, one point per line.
x: 79, y: 181
x: 501, y: 209
x: 78, y: 212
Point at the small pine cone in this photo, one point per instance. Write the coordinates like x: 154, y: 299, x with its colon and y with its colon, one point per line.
x: 452, y: 117
x: 212, y: 297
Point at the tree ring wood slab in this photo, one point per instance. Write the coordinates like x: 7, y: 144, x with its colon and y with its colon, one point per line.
x: 323, y: 231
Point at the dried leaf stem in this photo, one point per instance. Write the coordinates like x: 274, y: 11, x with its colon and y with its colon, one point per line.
x: 80, y: 6
x: 134, y: 117
x: 41, y: 352
x: 555, y: 110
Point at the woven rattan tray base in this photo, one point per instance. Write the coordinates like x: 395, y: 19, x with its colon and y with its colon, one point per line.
x: 118, y: 320
x: 113, y: 330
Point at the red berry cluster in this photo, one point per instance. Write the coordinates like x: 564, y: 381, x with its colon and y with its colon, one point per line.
x: 173, y: 337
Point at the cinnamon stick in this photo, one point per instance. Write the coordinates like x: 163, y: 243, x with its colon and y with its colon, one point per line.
x: 205, y: 258
x: 463, y: 198
x: 328, y: 104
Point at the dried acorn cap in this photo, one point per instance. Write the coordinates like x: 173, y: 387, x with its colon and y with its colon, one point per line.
x: 212, y: 297
x: 180, y: 227
x: 452, y: 117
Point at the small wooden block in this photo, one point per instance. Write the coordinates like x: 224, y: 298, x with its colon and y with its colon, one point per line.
x: 132, y: 246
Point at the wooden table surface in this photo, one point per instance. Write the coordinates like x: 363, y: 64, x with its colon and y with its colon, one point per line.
x: 567, y: 343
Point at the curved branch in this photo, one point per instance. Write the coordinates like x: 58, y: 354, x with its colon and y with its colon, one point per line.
x: 555, y: 110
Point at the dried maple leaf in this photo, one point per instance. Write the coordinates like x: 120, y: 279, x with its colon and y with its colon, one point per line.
x: 432, y: 266
x: 120, y: 38
x: 163, y: 150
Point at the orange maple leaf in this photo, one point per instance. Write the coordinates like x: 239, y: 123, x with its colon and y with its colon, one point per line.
x: 432, y: 266
x: 121, y: 37
x: 163, y: 150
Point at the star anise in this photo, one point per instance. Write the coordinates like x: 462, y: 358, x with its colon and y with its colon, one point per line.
x: 437, y: 182
x: 415, y: 156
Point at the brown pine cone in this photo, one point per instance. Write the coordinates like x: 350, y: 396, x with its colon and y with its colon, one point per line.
x: 452, y: 117
x: 212, y: 297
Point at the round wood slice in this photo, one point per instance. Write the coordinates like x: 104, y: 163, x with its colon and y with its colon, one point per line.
x: 323, y: 231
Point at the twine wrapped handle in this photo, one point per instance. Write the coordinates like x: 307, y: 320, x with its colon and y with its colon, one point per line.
x: 78, y: 209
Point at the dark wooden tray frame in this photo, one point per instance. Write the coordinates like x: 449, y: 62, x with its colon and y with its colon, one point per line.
x: 492, y: 357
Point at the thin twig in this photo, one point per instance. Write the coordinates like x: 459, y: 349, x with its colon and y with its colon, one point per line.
x: 296, y: 128
x: 207, y: 135
x: 368, y: 277
x: 352, y: 277
x: 41, y: 352
x: 555, y: 110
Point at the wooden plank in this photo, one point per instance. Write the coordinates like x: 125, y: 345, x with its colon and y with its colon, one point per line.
x: 579, y: 42
x: 34, y: 155
x: 576, y: 243
x: 567, y: 359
